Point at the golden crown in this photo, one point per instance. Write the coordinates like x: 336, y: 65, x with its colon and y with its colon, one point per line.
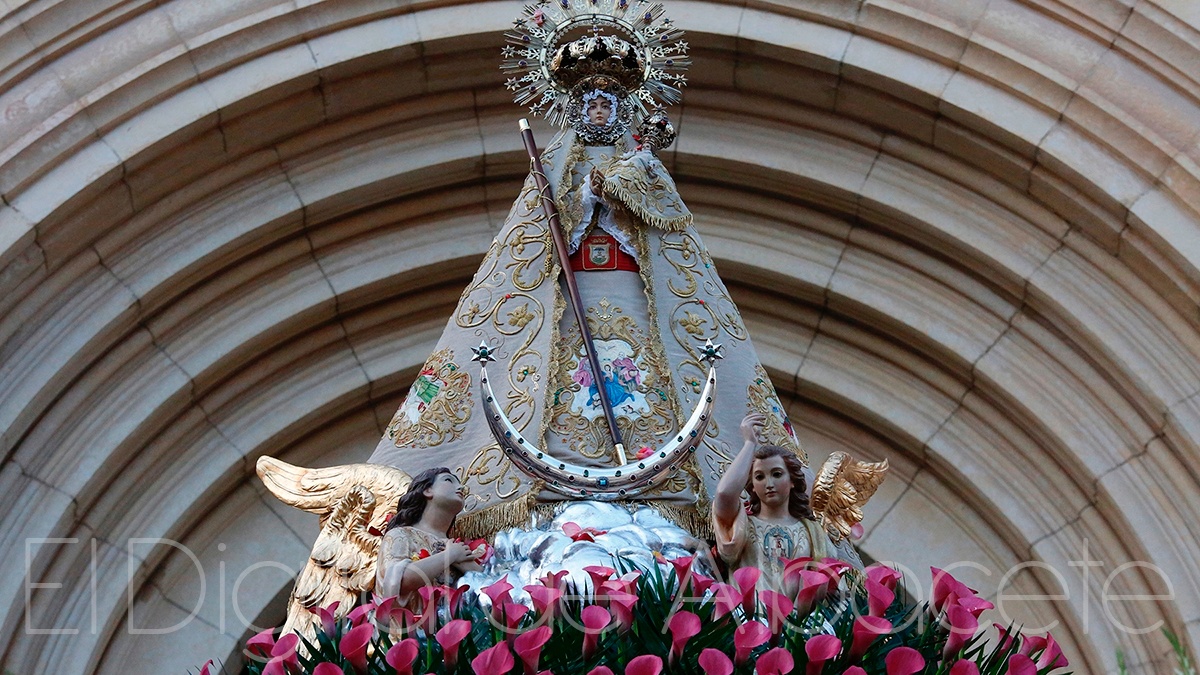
x: 554, y: 45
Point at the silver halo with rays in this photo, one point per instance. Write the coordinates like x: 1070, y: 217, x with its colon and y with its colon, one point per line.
x: 542, y: 27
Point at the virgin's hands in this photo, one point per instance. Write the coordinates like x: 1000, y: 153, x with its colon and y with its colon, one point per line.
x: 752, y: 426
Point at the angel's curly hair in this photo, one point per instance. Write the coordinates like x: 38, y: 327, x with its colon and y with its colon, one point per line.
x: 411, y: 505
x: 798, y: 499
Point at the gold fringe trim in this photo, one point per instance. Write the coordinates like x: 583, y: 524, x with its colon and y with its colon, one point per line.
x: 690, y: 518
x: 486, y: 522
x: 525, y: 511
x: 676, y: 224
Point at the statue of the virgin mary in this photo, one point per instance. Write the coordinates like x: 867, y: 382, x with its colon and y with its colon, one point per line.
x: 626, y: 411
x: 649, y: 289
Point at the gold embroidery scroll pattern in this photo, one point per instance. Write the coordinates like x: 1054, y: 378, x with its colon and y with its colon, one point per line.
x: 489, y: 467
x: 646, y: 265
x: 437, y: 407
x: 500, y: 298
x: 658, y: 352
x: 761, y: 398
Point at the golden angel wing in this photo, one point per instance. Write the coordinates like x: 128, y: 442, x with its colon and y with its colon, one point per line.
x: 841, y: 489
x: 353, y: 502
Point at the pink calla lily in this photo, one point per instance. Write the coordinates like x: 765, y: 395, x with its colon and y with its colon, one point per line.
x: 726, y: 598
x: 545, y: 600
x: 600, y: 670
x: 595, y: 620
x: 683, y: 570
x: 1019, y: 664
x: 327, y: 669
x: 883, y: 575
x: 622, y: 608
x: 820, y: 648
x: 627, y: 583
x: 513, y: 614
x: 403, y: 655
x: 975, y: 605
x: 1008, y: 637
x: 384, y: 608
x: 748, y: 637
x: 778, y: 608
x: 430, y: 596
x: 683, y: 626
x: 450, y: 637
x: 205, y: 667
x: 701, y: 584
x: 963, y: 626
x: 854, y: 670
x: 554, y: 580
x: 746, y: 578
x: 777, y: 661
x: 395, y: 619
x: 360, y: 613
x: 904, y: 661
x: 499, y: 593
x: 1053, y: 656
x: 329, y: 618
x: 353, y: 646
x: 813, y: 589
x: 947, y: 590
x: 493, y: 661
x: 528, y: 647
x: 454, y: 598
x: 577, y: 533
x: 714, y: 662
x: 287, y: 651
x: 964, y: 667
x: 879, y: 597
x: 599, y: 574
x: 647, y: 664
x: 261, y: 644
x: 866, y: 629
x: 833, y: 569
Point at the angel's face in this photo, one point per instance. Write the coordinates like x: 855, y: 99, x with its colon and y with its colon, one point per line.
x: 771, y: 481
x: 446, y: 491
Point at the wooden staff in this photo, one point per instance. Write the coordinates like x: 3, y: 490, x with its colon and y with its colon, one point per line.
x: 560, y: 245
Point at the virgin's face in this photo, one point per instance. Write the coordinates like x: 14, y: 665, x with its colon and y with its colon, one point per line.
x: 446, y: 490
x: 771, y: 481
x: 599, y: 111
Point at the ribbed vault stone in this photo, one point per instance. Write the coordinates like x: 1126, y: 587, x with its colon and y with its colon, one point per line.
x: 965, y: 235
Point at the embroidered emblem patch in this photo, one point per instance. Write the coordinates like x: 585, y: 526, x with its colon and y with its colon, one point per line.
x: 437, y: 407
x: 599, y: 254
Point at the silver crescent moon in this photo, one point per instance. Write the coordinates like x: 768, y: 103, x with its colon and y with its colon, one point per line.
x: 589, y: 482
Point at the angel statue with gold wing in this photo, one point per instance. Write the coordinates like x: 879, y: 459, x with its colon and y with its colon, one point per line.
x: 596, y: 316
